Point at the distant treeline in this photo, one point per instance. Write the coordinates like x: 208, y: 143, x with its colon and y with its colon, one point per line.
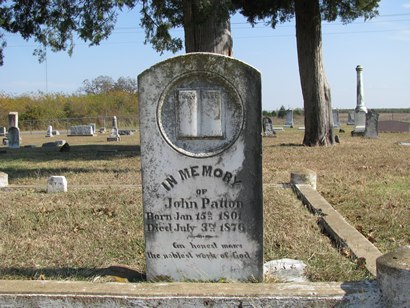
x: 43, y: 107
x: 99, y: 97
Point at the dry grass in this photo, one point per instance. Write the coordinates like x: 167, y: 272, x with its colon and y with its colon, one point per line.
x: 98, y: 223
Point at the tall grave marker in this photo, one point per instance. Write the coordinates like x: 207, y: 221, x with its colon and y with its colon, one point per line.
x: 201, y: 168
x: 360, y: 110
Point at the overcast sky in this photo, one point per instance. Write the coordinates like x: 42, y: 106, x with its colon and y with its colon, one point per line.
x: 381, y: 46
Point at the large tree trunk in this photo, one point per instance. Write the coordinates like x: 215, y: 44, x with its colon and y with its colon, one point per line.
x: 315, y: 89
x: 207, y: 29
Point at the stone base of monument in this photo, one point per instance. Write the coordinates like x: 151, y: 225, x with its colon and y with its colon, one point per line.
x: 358, y: 131
x: 114, y: 138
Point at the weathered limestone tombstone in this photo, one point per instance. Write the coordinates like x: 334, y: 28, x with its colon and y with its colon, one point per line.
x: 13, y: 137
x: 56, y: 184
x: 361, y: 110
x: 13, y: 119
x: 49, y: 131
x: 372, y: 129
x: 201, y: 169
x: 350, y: 118
x: 289, y: 118
x: 267, y: 127
x: 336, y: 120
x: 4, y: 179
x: 114, y: 136
x: 3, y: 131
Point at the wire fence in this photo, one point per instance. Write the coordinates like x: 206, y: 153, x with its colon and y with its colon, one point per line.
x: 64, y: 124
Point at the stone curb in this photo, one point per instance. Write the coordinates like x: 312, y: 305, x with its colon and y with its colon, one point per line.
x: 85, y: 294
x: 338, y: 228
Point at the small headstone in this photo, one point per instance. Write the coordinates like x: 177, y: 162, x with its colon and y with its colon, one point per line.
x: 3, y: 131
x: 4, y: 179
x: 102, y: 130
x: 267, y: 127
x: 56, y: 133
x: 5, y: 141
x: 289, y: 119
x: 49, y: 131
x: 201, y: 164
x: 336, y: 121
x: 350, y: 118
x: 13, y: 119
x: 56, y: 184
x: 285, y: 270
x: 14, y: 137
x: 406, y: 144
x: 372, y: 128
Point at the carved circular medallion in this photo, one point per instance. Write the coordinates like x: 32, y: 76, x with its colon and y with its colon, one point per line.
x: 200, y: 114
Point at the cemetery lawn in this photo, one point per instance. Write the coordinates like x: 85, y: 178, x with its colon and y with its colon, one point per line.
x: 95, y: 230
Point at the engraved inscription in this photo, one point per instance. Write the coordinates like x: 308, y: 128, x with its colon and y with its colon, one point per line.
x: 211, y: 117
x: 199, y: 118
x: 187, y: 114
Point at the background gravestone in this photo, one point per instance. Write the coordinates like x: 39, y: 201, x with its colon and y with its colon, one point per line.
x: 372, y: 129
x: 13, y: 119
x: 201, y: 169
x: 350, y: 118
x: 289, y: 118
x: 336, y: 121
x: 267, y: 127
x: 14, y: 137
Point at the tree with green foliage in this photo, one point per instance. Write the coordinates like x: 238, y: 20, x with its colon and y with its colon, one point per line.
x: 55, y: 23
x: 282, y: 112
x: 206, y: 25
x: 309, y: 15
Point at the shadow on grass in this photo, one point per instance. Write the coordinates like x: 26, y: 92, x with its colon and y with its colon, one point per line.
x: 77, y: 152
x: 67, y: 273
x: 285, y: 145
x: 27, y: 173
